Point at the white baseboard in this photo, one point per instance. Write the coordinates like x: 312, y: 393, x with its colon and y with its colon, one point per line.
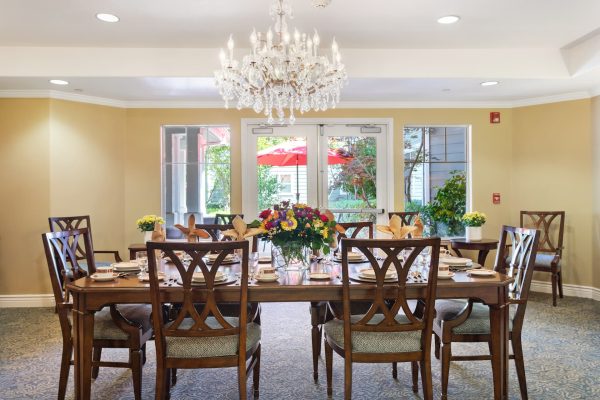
x: 47, y: 300
x: 26, y: 300
x: 586, y: 292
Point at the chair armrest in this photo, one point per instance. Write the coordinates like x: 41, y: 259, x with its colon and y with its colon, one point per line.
x: 113, y: 252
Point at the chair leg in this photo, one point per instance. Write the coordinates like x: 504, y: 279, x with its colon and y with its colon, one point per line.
x: 520, y: 364
x: 144, y: 354
x: 96, y: 355
x: 415, y: 376
x: 256, y: 373
x: 347, y: 378
x: 554, y: 287
x: 168, y: 384
x: 446, y: 354
x: 395, y: 370
x: 329, y: 368
x: 173, y: 376
x: 560, y: 288
x: 161, y: 381
x: 65, y: 364
x: 242, y: 381
x: 135, y: 358
x: 426, y: 379
x: 316, y: 350
x: 436, y: 340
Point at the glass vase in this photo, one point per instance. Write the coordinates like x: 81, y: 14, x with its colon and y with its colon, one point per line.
x: 291, y: 256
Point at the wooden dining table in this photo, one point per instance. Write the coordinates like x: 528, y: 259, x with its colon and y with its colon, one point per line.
x: 90, y: 296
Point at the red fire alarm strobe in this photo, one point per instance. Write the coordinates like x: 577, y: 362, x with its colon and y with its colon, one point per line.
x: 496, y: 198
x: 494, y: 117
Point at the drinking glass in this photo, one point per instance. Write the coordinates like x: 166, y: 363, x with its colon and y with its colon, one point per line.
x: 142, y: 259
x: 253, y: 263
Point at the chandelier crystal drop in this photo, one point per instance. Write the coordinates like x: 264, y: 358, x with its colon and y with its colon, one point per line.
x: 285, y: 71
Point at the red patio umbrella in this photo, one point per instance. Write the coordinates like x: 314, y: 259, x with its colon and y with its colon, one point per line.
x: 288, y: 154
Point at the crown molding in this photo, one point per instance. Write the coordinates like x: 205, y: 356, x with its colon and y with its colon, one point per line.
x: 551, y: 99
x: 104, y: 101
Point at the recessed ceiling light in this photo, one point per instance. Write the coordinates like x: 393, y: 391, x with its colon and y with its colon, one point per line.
x: 448, y: 19
x: 58, y: 82
x: 489, y: 83
x: 107, y: 17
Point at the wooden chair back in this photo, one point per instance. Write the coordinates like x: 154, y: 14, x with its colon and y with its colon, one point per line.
x: 516, y: 258
x: 59, y: 224
x: 552, y: 227
x: 407, y: 217
x: 226, y: 218
x: 356, y: 230
x: 390, y: 298
x: 203, y: 296
x: 63, y: 265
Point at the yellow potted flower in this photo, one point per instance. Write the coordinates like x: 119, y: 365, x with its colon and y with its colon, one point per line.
x: 473, y: 221
x: 146, y: 225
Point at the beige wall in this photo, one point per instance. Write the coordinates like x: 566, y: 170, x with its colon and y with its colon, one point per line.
x: 112, y: 157
x: 596, y: 188
x: 552, y: 164
x: 25, y: 201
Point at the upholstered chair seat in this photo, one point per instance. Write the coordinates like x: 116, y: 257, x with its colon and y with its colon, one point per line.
x: 215, y: 346
x: 375, y: 342
x: 478, y: 322
x: 544, y: 260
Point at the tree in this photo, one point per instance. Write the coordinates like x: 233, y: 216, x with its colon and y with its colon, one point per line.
x: 219, y: 167
x: 268, y: 187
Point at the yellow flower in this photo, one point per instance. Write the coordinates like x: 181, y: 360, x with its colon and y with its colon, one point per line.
x: 290, y: 224
x: 325, y: 233
x: 317, y: 223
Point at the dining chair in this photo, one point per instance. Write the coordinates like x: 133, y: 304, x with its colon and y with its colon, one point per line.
x: 389, y: 331
x: 548, y: 259
x: 202, y: 338
x: 407, y: 217
x: 59, y: 224
x: 226, y: 218
x: 319, y: 313
x: 469, y: 321
x: 115, y: 326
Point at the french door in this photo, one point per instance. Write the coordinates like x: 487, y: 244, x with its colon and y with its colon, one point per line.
x: 341, y: 166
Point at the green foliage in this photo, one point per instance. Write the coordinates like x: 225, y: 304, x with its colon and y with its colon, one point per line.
x: 358, y: 176
x: 448, y: 207
x: 268, y: 187
x: 219, y: 167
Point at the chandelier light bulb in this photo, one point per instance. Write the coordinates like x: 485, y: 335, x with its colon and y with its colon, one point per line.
x: 296, y: 36
x: 253, y: 37
x: 334, y: 46
x: 286, y: 38
x: 316, y: 38
x: 230, y: 42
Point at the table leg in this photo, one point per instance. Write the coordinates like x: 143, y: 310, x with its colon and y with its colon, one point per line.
x: 316, y: 319
x: 83, y: 328
x: 482, y: 256
x: 499, y: 334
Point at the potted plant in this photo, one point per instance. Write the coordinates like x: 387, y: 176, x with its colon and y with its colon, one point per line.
x: 146, y: 225
x: 473, y: 221
x: 443, y: 214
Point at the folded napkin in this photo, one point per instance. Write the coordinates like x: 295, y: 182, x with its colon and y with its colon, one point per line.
x: 158, y: 234
x: 338, y: 228
x: 418, y: 233
x: 396, y: 229
x: 241, y: 231
x: 191, y: 232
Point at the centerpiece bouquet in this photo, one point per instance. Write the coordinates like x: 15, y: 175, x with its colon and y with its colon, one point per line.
x: 147, y: 223
x: 296, y: 231
x: 473, y: 221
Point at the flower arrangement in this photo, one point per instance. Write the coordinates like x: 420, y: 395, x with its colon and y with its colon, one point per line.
x: 297, y: 223
x: 146, y: 223
x: 474, y: 218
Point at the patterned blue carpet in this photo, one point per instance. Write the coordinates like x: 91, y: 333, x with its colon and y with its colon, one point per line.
x: 561, y: 345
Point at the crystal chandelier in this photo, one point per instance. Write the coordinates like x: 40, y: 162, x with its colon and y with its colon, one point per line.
x: 284, y: 71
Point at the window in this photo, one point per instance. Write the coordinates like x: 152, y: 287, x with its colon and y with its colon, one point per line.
x: 196, y: 172
x: 435, y: 167
x: 285, y: 183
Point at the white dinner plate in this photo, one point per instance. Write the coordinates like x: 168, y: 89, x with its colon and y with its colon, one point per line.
x: 319, y: 276
x: 370, y: 273
x: 482, y: 272
x: 446, y: 276
x: 264, y: 260
x: 456, y: 261
x: 126, y: 266
x: 98, y: 278
x: 266, y: 278
x: 198, y: 277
